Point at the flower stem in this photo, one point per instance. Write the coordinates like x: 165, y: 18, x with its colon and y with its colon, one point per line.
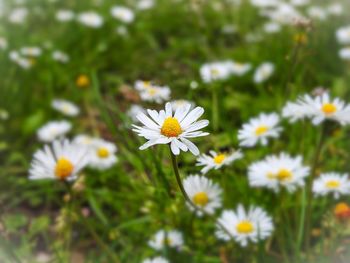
x: 215, y: 109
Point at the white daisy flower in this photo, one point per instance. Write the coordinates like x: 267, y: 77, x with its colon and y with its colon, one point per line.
x: 66, y: 107
x: 90, y: 19
x: 239, y: 69
x: 60, y: 56
x: 277, y: 171
x: 102, y: 154
x: 155, y: 260
x: 83, y: 139
x: 272, y: 27
x: 244, y: 226
x: 145, y: 4
x: 204, y: 194
x: 3, y: 43
x: 284, y: 14
x: 343, y: 35
x: 171, y: 239
x: 164, y: 127
x: 134, y: 111
x: 317, y: 12
x: 217, y: 160
x: 319, y: 109
x: 142, y: 85
x: 156, y: 94
x: 122, y: 13
x: 335, y: 9
x: 64, y: 15
x: 331, y: 183
x: 31, y: 51
x: 216, y: 71
x: 344, y: 53
x: 259, y: 130
x: 18, y: 15
x: 264, y: 3
x: 62, y: 161
x: 53, y: 130
x: 263, y: 72
x: 175, y: 104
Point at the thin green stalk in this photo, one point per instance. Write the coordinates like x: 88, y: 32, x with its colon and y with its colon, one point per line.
x: 301, y: 220
x: 215, y: 109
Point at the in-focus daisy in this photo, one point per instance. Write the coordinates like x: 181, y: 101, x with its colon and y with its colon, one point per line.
x: 220, y: 70
x: 319, y: 109
x: 344, y: 53
x: 259, y: 129
x: 90, y: 19
x: 263, y: 72
x: 166, y: 127
x: 156, y: 260
x: 62, y: 161
x: 53, y: 130
x: 123, y: 13
x: 244, y: 226
x: 343, y: 35
x: 102, y: 154
x: 171, y: 239
x: 66, y: 107
x: 277, y: 171
x: 217, y: 160
x: 64, y: 15
x: 204, y: 194
x: 331, y: 183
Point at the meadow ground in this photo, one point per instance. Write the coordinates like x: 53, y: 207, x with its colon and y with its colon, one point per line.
x: 242, y: 157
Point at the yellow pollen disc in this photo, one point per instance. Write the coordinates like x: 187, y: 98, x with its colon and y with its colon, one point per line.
x: 82, y: 81
x: 332, y: 184
x: 341, y: 208
x: 102, y: 152
x: 167, y: 241
x: 261, y: 130
x: 218, y: 159
x: 152, y: 91
x: 214, y: 72
x: 245, y: 227
x: 284, y: 175
x: 329, y: 108
x: 200, y: 199
x: 147, y: 83
x: 171, y: 127
x: 64, y: 168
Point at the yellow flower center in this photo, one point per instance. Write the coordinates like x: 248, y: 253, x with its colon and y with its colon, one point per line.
x: 152, y: 91
x: 261, y: 130
x: 218, y: 159
x: 200, y: 199
x: 245, y: 227
x: 102, y: 152
x: 167, y: 241
x: 171, y: 127
x: 214, y: 72
x: 147, y: 83
x: 63, y: 168
x: 329, y: 108
x: 284, y: 175
x: 341, y: 208
x: 332, y: 184
x: 83, y: 81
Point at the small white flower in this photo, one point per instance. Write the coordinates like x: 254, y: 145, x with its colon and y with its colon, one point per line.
x: 122, y: 13
x: 343, y: 35
x: 216, y: 71
x: 31, y: 51
x: 317, y: 12
x: 331, y: 183
x: 60, y: 56
x: 344, y: 53
x: 171, y: 239
x: 284, y: 14
x: 263, y: 72
x: 167, y: 127
x: 155, y: 260
x: 259, y: 129
x: 239, y: 69
x: 204, y: 194
x: 61, y: 161
x: 102, y: 154
x: 83, y: 139
x: 264, y: 3
x: 134, y: 111
x: 3, y: 43
x: 244, y: 226
x: 272, y: 27
x: 299, y: 2
x: 277, y: 171
x: 64, y: 15
x: 152, y: 93
x: 217, y: 160
x: 319, y: 109
x: 145, y: 4
x: 335, y: 9
x: 18, y: 15
x: 53, y: 130
x: 90, y: 19
x: 66, y: 107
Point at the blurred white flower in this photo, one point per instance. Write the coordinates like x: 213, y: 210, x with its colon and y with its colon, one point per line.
x: 167, y: 127
x: 156, y: 260
x: 317, y: 12
x: 259, y: 129
x: 102, y: 154
x: 66, y: 107
x: 18, y: 15
x: 145, y: 4
x: 335, y: 9
x: 284, y: 14
x: 154, y: 93
x: 264, y: 3
x: 239, y: 69
x: 31, y: 51
x: 216, y: 71
x: 331, y: 183
x: 61, y: 161
x: 65, y: 15
x: 90, y: 19
x: 217, y: 160
x: 263, y: 72
x: 299, y: 2
x: 344, y: 53
x: 134, y: 111
x: 60, y: 56
x: 343, y: 35
x: 277, y: 171
x: 3, y: 43
x: 123, y: 14
x: 272, y: 27
x: 252, y: 225
x: 163, y: 238
x: 204, y: 194
x: 122, y: 30
x: 53, y: 130
x: 83, y: 139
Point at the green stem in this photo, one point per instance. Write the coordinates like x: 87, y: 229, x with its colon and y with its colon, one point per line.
x: 215, y: 109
